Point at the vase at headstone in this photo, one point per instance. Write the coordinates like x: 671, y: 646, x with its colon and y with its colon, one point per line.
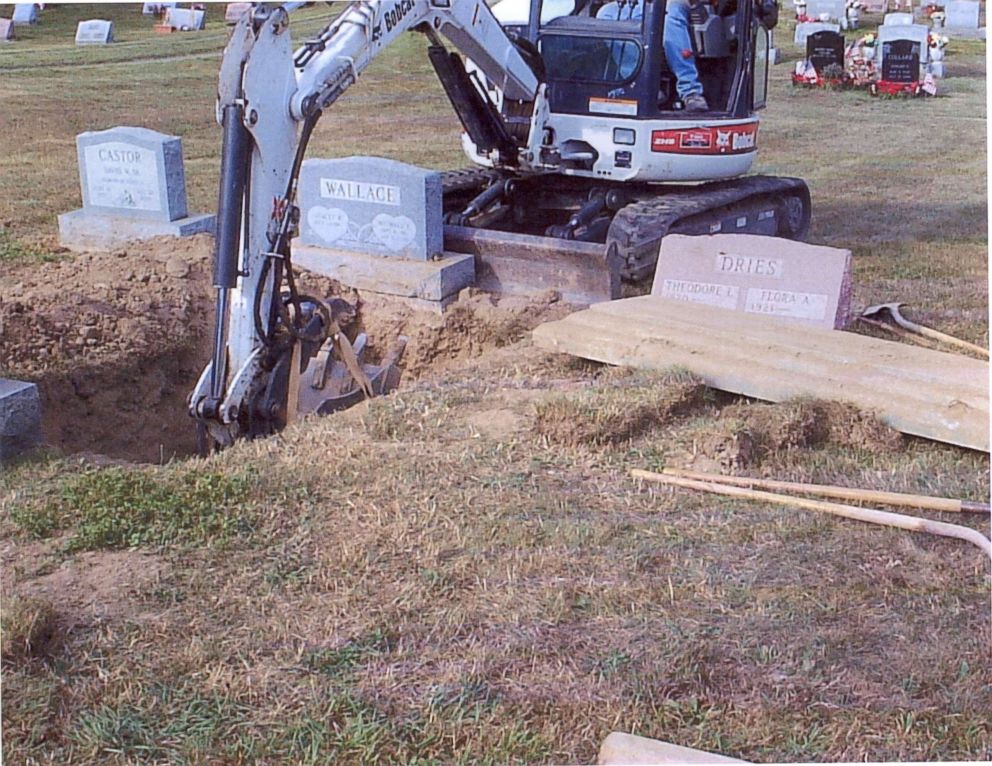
x: 95, y: 32
x: 25, y: 14
x: 133, y: 187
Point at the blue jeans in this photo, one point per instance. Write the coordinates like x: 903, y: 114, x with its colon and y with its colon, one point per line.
x: 677, y: 39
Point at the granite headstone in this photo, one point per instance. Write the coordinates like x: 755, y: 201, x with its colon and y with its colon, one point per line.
x: 25, y: 14
x: 962, y: 13
x: 806, y: 28
x: 901, y: 61
x: 94, y: 32
x: 832, y: 9
x: 20, y: 418
x: 133, y: 187
x: 897, y: 19
x: 825, y: 51
x: 6, y: 30
x: 185, y: 19
x: 757, y: 275
x: 372, y: 205
x: 918, y: 34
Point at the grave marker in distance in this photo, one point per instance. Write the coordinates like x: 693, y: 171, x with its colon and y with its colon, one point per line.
x: 185, y: 19
x: 133, y: 187
x: 757, y: 275
x: 94, y: 32
x: 25, y: 14
x: 6, y: 30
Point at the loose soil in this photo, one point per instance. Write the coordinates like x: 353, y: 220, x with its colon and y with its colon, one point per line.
x: 116, y: 341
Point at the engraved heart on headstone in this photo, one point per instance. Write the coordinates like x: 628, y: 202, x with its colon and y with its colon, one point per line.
x: 395, y: 232
x: 328, y: 223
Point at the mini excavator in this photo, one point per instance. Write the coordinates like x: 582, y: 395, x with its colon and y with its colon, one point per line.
x: 571, y: 117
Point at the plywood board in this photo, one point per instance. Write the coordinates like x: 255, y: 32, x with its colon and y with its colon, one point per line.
x: 918, y: 391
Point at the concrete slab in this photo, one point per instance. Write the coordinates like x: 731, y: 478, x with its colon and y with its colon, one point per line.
x: 20, y: 418
x: 84, y: 230
x: 426, y: 280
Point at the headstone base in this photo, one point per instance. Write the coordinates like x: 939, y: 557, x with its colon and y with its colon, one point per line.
x: 430, y: 281
x: 83, y: 231
x: 20, y: 418
x: 775, y: 56
x: 936, y: 68
x: 964, y: 33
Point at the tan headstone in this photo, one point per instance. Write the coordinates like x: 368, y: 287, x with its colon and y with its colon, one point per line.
x: 757, y: 275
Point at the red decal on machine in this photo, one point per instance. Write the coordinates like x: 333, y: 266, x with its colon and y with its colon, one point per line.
x: 734, y: 139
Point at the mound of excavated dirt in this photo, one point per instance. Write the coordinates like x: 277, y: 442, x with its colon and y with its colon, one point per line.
x: 116, y: 341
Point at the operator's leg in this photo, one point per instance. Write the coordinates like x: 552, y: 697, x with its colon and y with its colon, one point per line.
x: 680, y: 56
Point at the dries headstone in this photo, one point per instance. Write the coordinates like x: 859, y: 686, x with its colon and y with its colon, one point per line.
x: 6, y: 30
x: 806, y: 28
x: 94, y: 32
x: 824, y: 50
x: 20, y: 418
x: 757, y: 275
x: 185, y: 19
x: 133, y: 187
x: 376, y: 224
x: 25, y: 14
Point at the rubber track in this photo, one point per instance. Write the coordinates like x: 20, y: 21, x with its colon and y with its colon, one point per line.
x: 637, y: 229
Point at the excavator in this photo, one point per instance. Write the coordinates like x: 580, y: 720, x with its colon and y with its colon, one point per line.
x: 576, y: 131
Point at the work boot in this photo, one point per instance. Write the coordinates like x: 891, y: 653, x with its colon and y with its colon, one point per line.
x: 695, y: 102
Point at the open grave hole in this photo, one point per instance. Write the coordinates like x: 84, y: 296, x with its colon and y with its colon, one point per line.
x: 116, y: 341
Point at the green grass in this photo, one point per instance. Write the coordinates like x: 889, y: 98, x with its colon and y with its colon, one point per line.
x: 127, y: 508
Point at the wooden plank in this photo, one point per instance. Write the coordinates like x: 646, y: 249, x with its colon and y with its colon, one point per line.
x: 521, y: 264
x: 918, y: 391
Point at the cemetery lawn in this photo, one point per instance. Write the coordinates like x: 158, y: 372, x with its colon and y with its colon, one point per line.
x: 463, y: 572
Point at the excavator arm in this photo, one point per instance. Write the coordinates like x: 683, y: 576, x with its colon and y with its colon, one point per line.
x: 269, y: 100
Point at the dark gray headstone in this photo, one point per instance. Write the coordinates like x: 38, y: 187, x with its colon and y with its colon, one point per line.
x: 20, y: 418
x: 154, y: 9
x: 901, y: 61
x: 25, y: 13
x: 825, y: 51
x: 136, y: 171
x: 94, y: 32
x: 371, y: 205
x: 6, y: 30
x: 186, y: 19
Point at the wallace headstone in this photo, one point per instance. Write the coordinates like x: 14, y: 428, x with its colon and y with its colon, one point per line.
x: 377, y: 224
x: 757, y: 275
x: 94, y: 32
x: 6, y: 30
x: 825, y: 50
x: 133, y: 187
x: 25, y: 14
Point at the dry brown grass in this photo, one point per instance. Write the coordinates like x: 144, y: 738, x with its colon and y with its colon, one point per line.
x: 622, y: 408
x: 29, y: 629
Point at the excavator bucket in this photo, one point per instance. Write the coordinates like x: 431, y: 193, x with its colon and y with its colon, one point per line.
x: 337, y: 376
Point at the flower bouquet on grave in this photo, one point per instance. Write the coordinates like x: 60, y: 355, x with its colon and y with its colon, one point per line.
x: 937, y: 44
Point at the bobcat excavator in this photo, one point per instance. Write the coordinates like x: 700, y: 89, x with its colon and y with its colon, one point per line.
x: 571, y: 116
